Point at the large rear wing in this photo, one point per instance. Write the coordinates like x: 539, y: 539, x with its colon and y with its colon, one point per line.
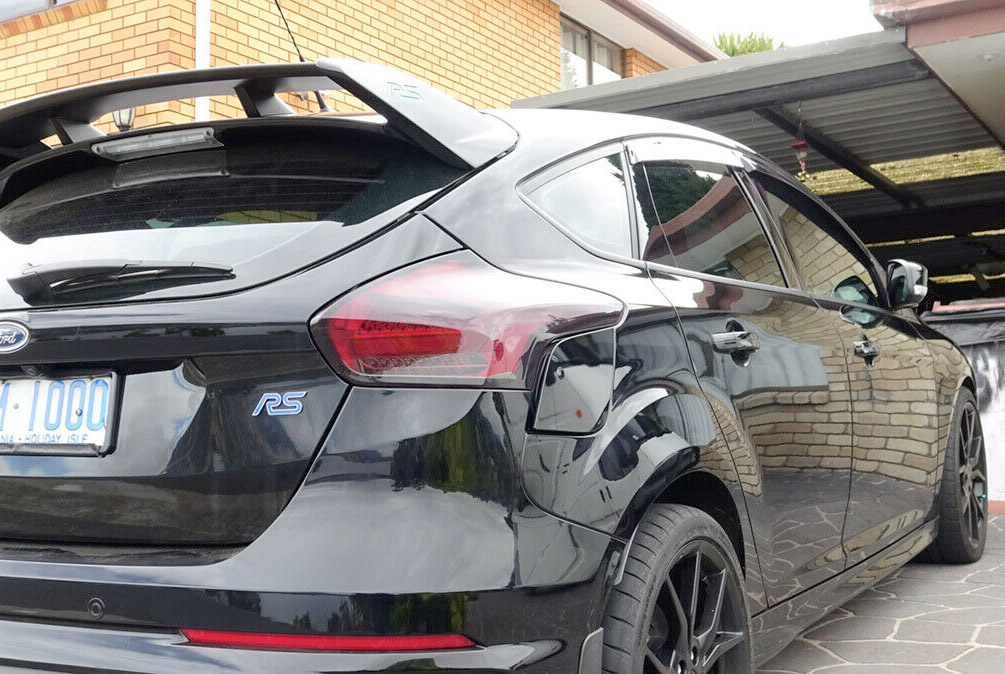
x: 443, y: 126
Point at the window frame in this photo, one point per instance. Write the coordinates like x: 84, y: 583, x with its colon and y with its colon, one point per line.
x: 590, y: 36
x: 846, y: 238
x: 699, y: 150
x: 526, y: 187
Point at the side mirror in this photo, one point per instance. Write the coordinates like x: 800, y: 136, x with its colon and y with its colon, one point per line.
x: 906, y: 283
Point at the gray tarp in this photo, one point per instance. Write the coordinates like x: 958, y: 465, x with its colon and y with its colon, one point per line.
x: 980, y: 333
x: 980, y: 326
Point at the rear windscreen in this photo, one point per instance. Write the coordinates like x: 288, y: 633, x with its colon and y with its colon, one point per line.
x: 293, y: 193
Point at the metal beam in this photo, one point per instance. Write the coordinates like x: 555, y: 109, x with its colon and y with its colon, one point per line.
x: 788, y: 92
x: 961, y: 219
x: 953, y: 255
x: 785, y: 121
x: 966, y: 290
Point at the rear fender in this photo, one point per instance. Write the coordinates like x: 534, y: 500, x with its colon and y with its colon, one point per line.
x: 653, y: 439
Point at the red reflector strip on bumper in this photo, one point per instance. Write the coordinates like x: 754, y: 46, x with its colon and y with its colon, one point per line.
x: 316, y: 642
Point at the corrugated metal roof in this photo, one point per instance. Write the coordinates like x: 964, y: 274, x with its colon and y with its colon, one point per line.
x: 900, y: 121
x: 729, y: 76
x: 867, y: 99
x: 758, y: 133
x: 988, y: 187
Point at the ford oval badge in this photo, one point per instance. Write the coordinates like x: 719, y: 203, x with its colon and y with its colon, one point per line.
x: 13, y: 336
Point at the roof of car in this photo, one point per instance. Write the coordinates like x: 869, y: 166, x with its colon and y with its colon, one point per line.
x: 596, y: 127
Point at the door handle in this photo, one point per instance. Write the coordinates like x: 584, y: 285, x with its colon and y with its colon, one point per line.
x: 738, y: 341
x: 867, y: 349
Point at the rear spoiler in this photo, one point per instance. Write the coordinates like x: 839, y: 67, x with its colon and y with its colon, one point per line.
x: 443, y: 126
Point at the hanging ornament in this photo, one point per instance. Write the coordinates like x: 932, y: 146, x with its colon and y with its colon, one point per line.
x: 801, y: 147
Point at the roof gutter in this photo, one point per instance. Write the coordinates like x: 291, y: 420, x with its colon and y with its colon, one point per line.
x: 902, y: 12
x: 669, y: 30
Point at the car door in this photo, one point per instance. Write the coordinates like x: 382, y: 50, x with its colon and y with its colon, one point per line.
x: 767, y: 357
x: 892, y: 381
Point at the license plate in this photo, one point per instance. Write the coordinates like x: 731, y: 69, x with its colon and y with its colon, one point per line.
x: 70, y: 416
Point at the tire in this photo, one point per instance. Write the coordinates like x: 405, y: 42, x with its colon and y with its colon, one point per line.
x: 962, y: 501
x: 641, y: 637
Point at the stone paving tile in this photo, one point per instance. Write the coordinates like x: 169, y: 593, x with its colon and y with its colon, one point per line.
x: 930, y: 632
x: 992, y: 635
x: 924, y: 618
x: 854, y: 627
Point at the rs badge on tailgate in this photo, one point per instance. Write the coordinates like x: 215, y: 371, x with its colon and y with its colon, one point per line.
x: 274, y: 404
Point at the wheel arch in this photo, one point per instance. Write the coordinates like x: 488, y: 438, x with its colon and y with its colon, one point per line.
x: 969, y: 383
x: 709, y: 494
x: 693, y: 487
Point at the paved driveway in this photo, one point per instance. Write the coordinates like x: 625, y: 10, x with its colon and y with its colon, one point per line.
x: 924, y: 618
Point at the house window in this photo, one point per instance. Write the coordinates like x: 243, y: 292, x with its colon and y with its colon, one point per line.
x: 588, y: 58
x: 13, y: 9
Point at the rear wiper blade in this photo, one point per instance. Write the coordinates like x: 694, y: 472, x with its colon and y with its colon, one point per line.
x: 47, y: 281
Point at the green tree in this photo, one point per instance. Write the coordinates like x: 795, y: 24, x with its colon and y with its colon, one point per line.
x: 737, y: 45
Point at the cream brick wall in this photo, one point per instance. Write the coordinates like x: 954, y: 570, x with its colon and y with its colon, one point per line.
x: 93, y: 40
x: 898, y: 410
x: 483, y: 52
x: 486, y: 53
x: 637, y: 63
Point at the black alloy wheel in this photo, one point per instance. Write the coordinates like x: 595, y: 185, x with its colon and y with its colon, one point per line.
x: 962, y: 501
x: 680, y: 608
x: 972, y: 472
x: 696, y: 620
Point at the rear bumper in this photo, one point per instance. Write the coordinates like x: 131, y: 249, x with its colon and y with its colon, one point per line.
x: 74, y: 626
x: 416, y: 525
x: 63, y: 648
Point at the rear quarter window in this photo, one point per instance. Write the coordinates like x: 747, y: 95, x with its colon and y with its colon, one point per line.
x: 591, y: 201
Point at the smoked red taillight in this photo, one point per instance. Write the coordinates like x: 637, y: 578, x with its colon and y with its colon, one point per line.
x: 455, y: 321
x: 324, y: 642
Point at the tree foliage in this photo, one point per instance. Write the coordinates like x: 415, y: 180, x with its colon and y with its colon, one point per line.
x: 676, y: 189
x: 737, y: 45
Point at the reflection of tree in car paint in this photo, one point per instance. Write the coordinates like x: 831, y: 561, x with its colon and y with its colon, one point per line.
x: 462, y: 457
x: 700, y: 220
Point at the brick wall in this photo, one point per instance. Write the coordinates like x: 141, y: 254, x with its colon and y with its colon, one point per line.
x: 897, y: 407
x: 637, y: 63
x: 94, y: 40
x: 484, y: 53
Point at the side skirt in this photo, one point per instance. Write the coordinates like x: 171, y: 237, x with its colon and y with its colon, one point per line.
x: 774, y: 628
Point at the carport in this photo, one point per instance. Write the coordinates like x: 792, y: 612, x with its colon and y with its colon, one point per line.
x: 904, y: 141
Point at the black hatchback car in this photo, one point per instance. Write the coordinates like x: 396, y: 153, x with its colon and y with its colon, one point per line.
x: 443, y: 390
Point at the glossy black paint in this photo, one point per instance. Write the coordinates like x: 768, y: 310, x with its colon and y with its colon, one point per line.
x: 186, y: 467
x: 501, y: 515
x: 416, y: 526
x: 189, y: 464
x: 815, y: 383
x: 767, y: 407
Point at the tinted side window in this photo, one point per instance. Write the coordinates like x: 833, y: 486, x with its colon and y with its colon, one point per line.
x: 592, y: 201
x: 826, y: 262
x: 695, y: 217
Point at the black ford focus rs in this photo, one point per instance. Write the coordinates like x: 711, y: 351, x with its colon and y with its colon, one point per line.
x: 444, y: 390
